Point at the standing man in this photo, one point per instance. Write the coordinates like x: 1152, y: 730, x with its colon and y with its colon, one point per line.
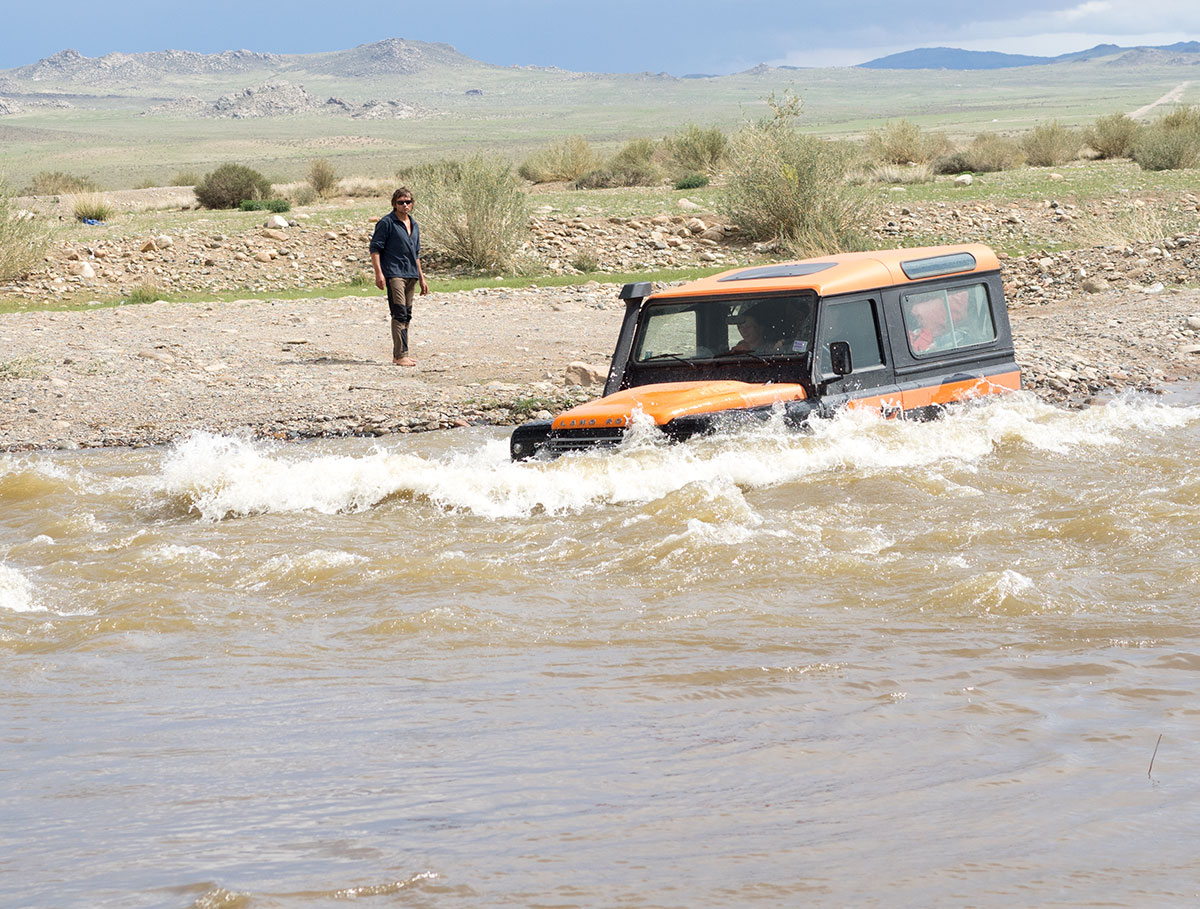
x: 396, y: 255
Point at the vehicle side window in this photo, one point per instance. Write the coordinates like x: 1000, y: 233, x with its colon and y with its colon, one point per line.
x: 949, y: 319
x: 857, y: 323
x: 670, y: 331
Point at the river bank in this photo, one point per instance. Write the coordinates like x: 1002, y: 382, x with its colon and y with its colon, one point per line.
x: 290, y: 369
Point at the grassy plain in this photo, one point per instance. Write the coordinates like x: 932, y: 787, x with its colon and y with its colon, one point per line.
x: 108, y: 136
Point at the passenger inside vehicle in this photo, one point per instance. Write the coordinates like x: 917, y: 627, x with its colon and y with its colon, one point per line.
x: 929, y: 325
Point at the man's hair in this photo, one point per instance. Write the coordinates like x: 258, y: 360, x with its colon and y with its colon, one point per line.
x: 402, y: 191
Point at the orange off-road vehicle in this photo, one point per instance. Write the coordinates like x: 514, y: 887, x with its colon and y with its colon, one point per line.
x: 901, y: 331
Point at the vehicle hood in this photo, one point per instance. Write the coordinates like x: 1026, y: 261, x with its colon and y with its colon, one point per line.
x: 664, y: 402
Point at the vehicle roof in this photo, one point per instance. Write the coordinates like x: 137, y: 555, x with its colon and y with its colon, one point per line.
x: 837, y: 273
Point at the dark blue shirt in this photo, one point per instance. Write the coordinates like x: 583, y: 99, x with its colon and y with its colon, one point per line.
x: 398, y: 250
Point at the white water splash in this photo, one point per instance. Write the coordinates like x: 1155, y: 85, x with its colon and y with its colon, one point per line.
x: 16, y: 592
x: 223, y: 477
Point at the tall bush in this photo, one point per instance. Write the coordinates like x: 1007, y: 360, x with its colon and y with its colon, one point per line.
x: 632, y: 165
x: 792, y: 188
x: 229, y: 185
x: 23, y: 240
x: 472, y: 211
x: 1051, y: 144
x: 1111, y: 136
x: 1172, y: 143
x: 696, y: 150
x: 569, y: 159
x: 321, y: 177
x: 903, y: 142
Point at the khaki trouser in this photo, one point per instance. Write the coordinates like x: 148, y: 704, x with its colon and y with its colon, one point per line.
x: 400, y: 292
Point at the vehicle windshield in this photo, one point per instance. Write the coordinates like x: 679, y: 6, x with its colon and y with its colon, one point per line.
x: 760, y: 327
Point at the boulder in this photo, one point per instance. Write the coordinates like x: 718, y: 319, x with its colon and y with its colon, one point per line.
x: 964, y: 180
x: 584, y: 374
x: 277, y: 221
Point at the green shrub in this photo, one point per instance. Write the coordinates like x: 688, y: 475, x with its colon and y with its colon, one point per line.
x: 185, y: 178
x: 693, y: 149
x: 902, y: 142
x: 321, y: 177
x: 1112, y: 136
x: 92, y: 207
x: 569, y: 159
x: 986, y: 154
x: 586, y: 262
x: 1172, y: 143
x: 692, y: 181
x: 56, y: 183
x: 276, y: 205
x: 23, y: 240
x: 473, y: 211
x: 1050, y: 145
x: 792, y: 188
x: 229, y: 184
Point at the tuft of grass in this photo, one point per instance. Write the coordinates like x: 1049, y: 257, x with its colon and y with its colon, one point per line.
x: 902, y: 174
x: 279, y: 206
x: 92, y: 207
x: 21, y: 368
x: 143, y: 293
x: 185, y: 178
x: 692, y: 181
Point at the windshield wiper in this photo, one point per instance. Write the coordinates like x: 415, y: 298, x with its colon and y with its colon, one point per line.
x: 670, y: 356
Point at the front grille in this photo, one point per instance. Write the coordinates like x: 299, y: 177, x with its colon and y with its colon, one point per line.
x: 563, y: 440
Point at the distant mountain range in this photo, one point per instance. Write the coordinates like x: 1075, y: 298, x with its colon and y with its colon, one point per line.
x: 1183, y: 53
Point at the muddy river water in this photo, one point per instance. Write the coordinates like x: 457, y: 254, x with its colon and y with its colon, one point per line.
x: 884, y: 663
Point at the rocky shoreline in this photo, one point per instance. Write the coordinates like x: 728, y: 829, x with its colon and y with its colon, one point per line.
x: 294, y: 369
x: 1088, y: 323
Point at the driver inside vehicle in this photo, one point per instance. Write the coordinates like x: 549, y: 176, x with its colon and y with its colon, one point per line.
x: 761, y: 330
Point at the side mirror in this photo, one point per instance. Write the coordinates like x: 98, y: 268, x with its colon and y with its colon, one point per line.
x: 840, y: 360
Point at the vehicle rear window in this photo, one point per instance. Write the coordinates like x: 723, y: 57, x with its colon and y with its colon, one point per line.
x: 947, y: 319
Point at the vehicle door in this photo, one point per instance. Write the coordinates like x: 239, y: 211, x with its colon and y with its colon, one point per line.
x: 859, y: 322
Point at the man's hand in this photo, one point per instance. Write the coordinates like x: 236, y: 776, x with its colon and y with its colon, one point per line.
x: 380, y: 282
x: 424, y: 287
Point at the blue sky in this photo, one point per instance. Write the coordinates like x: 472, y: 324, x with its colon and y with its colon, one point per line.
x: 699, y: 36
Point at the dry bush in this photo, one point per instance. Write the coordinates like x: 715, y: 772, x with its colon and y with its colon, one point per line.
x: 632, y: 165
x: 185, y: 178
x: 366, y: 187
x: 1172, y: 143
x: 1051, y: 144
x: 321, y: 177
x: 902, y: 142
x: 695, y: 150
x: 569, y: 159
x: 56, y: 183
x: 472, y: 211
x: 986, y: 154
x: 1134, y: 225
x: 902, y: 174
x: 1111, y: 136
x: 23, y: 239
x: 793, y: 188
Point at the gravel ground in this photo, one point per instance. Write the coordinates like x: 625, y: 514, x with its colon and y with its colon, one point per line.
x: 141, y: 375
